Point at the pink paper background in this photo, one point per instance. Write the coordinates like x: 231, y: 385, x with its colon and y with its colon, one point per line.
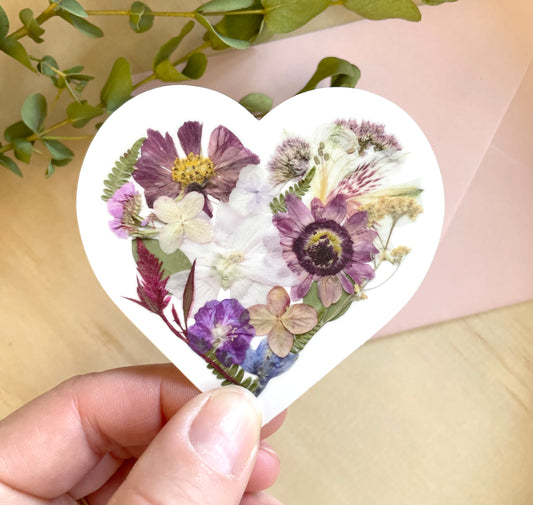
x: 465, y: 74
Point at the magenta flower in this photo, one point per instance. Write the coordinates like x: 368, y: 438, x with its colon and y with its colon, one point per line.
x: 224, y: 325
x: 161, y: 172
x: 124, y: 206
x: 325, y: 245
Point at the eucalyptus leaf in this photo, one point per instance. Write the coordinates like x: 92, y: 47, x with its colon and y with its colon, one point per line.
x: 82, y: 113
x: 384, y: 9
x: 23, y: 150
x: 82, y: 25
x: 4, y: 24
x: 257, y: 103
x: 50, y: 169
x: 342, y: 73
x: 58, y: 150
x: 73, y: 7
x: 34, y: 29
x: 225, y: 5
x: 196, y: 65
x: 140, y: 18
x: 17, y: 130
x: 166, y: 72
x: 33, y: 112
x: 61, y: 163
x: 437, y: 2
x: 118, y: 87
x: 169, y: 47
x: 235, y: 43
x: 242, y: 26
x: 74, y: 70
x: 16, y: 50
x: 284, y: 16
x: 172, y: 263
x: 47, y: 65
x: 10, y: 165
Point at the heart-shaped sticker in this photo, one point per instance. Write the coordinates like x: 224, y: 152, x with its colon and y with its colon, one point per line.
x: 259, y: 252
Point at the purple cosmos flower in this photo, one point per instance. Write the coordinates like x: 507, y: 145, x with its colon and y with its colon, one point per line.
x: 124, y: 206
x: 161, y: 172
x: 324, y: 245
x: 265, y: 364
x: 224, y: 325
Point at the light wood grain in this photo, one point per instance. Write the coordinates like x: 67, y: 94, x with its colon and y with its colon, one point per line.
x: 438, y: 415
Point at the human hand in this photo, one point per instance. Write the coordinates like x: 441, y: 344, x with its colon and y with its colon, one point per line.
x: 137, y: 436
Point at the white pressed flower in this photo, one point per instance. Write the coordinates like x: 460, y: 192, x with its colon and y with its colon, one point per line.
x: 183, y: 219
x: 253, y: 192
x: 241, y: 259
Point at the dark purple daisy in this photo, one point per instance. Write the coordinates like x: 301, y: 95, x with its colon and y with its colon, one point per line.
x: 225, y: 326
x: 322, y: 244
x: 161, y: 172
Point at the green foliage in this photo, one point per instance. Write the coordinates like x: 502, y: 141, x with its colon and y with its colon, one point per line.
x: 384, y: 9
x: 4, y: 23
x: 23, y: 150
x: 241, y: 26
x: 342, y: 73
x: 81, y: 24
x: 171, y: 263
x: 17, y: 130
x: 17, y: 51
x: 234, y: 371
x: 166, y: 50
x: 10, y: 165
x: 219, y: 37
x: 34, y: 110
x: 58, y: 150
x: 257, y: 103
x: 140, y: 18
x: 118, y: 87
x: 82, y: 112
x: 436, y: 2
x: 34, y: 29
x: 225, y: 5
x: 194, y: 69
x: 284, y: 16
x: 73, y: 7
x: 299, y: 189
x: 122, y: 170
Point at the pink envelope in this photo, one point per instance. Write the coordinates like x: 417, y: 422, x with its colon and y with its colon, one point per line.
x: 465, y: 74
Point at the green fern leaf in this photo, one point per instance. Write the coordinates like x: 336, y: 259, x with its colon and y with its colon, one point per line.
x: 122, y: 170
x: 299, y: 189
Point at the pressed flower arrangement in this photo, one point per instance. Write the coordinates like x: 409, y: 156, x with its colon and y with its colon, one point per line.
x: 227, y: 24
x: 246, y: 257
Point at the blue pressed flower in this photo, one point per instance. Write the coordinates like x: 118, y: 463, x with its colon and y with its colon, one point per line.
x: 225, y: 326
x: 265, y: 364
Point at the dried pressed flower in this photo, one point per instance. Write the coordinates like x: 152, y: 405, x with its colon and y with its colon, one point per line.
x: 290, y: 160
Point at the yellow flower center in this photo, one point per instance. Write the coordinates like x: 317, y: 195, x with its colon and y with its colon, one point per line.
x: 192, y: 169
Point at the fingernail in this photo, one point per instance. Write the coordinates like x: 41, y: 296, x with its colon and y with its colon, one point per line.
x: 225, y: 432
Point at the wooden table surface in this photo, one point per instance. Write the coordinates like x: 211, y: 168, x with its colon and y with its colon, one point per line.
x: 438, y: 415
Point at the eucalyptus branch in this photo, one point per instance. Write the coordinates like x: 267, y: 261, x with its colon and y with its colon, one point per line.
x: 48, y: 13
x: 151, y: 13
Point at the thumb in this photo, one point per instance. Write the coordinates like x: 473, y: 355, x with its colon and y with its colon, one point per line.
x: 204, y: 454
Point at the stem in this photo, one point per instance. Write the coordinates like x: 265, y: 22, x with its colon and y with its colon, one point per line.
x: 49, y: 12
x: 78, y: 137
x: 153, y: 13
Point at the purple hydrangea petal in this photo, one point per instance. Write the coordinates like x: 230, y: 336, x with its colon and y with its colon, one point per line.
x: 190, y: 137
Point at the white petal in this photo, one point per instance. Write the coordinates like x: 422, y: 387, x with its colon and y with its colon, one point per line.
x: 167, y: 209
x: 170, y: 237
x: 192, y: 204
x: 249, y: 293
x: 199, y: 229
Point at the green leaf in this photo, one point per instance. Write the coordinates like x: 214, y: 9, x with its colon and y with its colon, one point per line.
x: 4, y: 25
x: 46, y: 66
x: 284, y: 16
x: 82, y: 25
x: 436, y: 2
x: 169, y: 47
x: 17, y: 130
x: 23, y: 150
x: 342, y: 73
x: 121, y: 172
x: 195, y: 67
x: 235, y: 43
x: 257, y: 103
x: 140, y: 19
x: 225, y: 5
x: 74, y: 70
x: 118, y: 88
x: 58, y: 150
x: 82, y: 112
x: 172, y: 263
x: 239, y: 26
x: 50, y: 169
x: 299, y: 189
x: 384, y: 9
x: 166, y: 72
x: 73, y: 7
x: 10, y: 165
x: 34, y: 112
x: 188, y: 293
x: 34, y: 29
x: 16, y: 50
